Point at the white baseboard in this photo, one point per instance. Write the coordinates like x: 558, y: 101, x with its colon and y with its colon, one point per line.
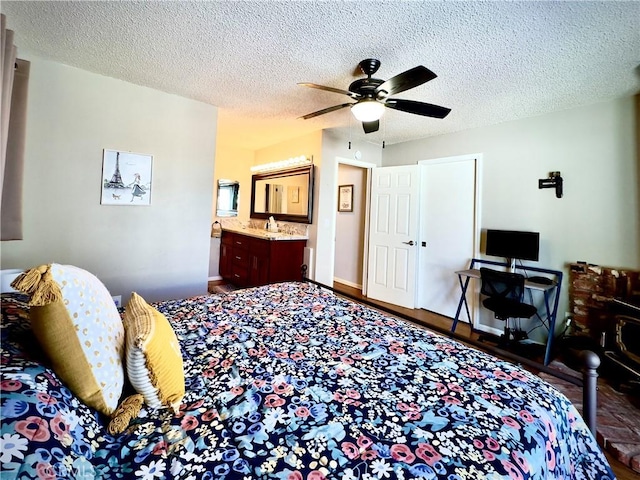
x: 347, y: 282
x: 213, y: 279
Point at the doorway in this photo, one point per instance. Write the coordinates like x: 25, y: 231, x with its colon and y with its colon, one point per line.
x: 454, y: 185
x: 351, y: 222
x: 360, y: 172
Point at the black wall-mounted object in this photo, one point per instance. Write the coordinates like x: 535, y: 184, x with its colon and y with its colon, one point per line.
x: 554, y: 181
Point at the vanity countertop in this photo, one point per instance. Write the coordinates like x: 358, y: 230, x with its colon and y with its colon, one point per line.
x: 265, y: 234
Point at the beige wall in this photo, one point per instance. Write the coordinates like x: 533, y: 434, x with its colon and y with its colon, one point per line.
x: 595, y: 149
x: 308, y: 145
x: 326, y: 149
x: 234, y: 164
x: 161, y: 250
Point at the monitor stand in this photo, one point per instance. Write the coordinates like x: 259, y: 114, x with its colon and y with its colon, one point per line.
x: 512, y: 264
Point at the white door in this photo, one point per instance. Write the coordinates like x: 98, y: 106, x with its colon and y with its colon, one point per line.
x: 393, y: 235
x: 447, y: 231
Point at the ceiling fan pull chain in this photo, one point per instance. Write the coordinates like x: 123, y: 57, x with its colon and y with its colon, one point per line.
x: 384, y: 130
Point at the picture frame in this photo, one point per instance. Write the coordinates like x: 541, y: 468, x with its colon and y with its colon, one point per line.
x: 126, y: 178
x: 345, y: 198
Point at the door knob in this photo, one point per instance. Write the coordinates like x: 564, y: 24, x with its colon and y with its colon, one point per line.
x: 410, y: 243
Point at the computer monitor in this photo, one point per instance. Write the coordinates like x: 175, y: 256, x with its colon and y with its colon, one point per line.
x: 513, y: 245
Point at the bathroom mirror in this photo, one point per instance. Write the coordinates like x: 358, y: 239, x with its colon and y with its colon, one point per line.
x: 227, y: 203
x: 286, y: 195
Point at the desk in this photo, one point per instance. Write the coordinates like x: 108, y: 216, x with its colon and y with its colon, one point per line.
x: 548, y: 321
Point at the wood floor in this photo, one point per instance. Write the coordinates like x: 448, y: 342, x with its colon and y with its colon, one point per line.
x: 431, y: 320
x: 422, y: 317
x: 621, y: 470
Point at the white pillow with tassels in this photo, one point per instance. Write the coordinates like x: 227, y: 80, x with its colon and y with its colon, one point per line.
x: 78, y: 326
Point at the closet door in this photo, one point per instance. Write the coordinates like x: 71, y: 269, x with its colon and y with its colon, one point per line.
x: 448, y: 231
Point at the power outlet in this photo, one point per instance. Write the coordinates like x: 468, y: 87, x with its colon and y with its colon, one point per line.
x: 117, y: 299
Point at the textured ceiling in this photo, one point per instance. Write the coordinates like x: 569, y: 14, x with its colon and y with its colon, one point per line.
x: 495, y: 61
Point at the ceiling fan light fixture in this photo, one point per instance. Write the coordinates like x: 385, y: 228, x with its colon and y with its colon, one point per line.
x: 373, y: 95
x: 368, y: 110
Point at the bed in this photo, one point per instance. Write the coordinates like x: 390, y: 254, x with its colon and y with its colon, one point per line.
x: 290, y: 381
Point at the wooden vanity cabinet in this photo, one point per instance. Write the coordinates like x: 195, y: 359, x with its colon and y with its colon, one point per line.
x: 248, y: 261
x: 225, y: 256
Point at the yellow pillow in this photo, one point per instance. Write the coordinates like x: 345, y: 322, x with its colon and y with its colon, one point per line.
x: 79, y: 328
x: 153, y: 358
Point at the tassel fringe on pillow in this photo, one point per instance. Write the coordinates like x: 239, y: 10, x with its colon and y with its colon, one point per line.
x: 40, y: 285
x: 127, y: 411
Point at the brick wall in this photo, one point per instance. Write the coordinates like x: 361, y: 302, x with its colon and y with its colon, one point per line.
x: 591, y: 287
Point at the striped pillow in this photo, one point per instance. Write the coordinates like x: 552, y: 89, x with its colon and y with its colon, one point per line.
x: 153, y: 357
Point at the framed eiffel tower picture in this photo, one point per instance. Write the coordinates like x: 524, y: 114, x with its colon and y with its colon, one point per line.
x: 126, y: 178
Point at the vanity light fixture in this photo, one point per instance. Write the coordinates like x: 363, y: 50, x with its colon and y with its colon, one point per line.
x: 288, y: 163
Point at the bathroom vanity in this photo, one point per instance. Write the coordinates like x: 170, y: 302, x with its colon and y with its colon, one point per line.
x: 251, y: 257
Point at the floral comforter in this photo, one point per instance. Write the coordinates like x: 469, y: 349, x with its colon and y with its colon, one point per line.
x: 291, y: 382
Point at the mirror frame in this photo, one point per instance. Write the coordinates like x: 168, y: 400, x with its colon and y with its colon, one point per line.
x: 223, y: 182
x: 279, y: 174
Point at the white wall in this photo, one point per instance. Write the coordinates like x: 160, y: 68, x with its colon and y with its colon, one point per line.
x: 161, y: 250
x: 350, y: 228
x: 594, y: 147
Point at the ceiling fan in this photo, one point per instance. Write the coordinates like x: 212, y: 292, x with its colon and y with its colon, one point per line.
x: 372, y: 95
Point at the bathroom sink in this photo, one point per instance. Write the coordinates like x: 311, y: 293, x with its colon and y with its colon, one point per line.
x: 266, y: 234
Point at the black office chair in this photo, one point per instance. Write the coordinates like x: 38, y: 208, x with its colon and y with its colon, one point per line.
x: 505, y: 292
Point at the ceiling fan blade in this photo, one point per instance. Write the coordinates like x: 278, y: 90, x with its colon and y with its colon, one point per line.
x: 405, y: 80
x: 370, y: 127
x: 418, y: 108
x: 325, y: 110
x: 331, y: 89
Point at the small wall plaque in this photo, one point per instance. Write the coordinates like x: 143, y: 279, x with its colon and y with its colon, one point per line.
x: 345, y: 198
